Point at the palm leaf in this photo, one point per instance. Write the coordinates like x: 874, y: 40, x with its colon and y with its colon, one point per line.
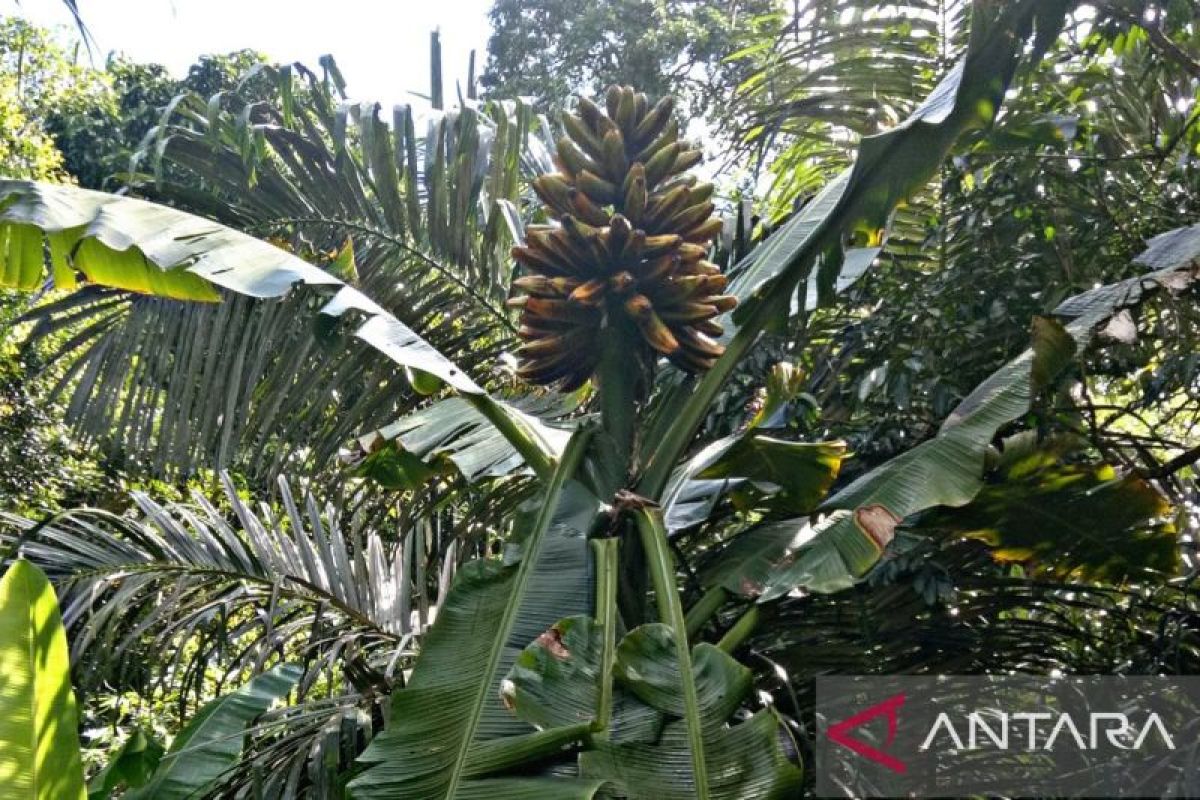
x: 186, y: 581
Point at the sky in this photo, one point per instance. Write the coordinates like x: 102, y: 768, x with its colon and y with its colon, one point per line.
x: 381, y: 46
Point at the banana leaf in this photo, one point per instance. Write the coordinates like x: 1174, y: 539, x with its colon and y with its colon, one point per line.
x: 145, y: 247
x: 449, y: 731
x: 151, y: 248
x: 756, y: 758
x: 211, y: 743
x: 131, y: 766
x: 1069, y: 521
x: 761, y: 471
x: 644, y: 750
x: 39, y: 742
x: 889, y: 167
x: 831, y: 554
x: 453, y: 434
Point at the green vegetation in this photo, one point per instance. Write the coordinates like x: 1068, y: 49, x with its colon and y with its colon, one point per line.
x: 449, y: 453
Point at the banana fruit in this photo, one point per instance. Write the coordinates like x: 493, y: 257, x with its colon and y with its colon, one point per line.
x: 633, y: 229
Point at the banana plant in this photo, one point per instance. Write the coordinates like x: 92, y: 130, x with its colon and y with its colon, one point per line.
x: 542, y: 678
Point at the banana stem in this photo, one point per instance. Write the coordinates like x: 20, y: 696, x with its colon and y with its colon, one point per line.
x: 618, y: 374
x: 535, y: 452
x: 670, y: 609
x: 745, y: 625
x: 605, y: 551
x: 704, y: 609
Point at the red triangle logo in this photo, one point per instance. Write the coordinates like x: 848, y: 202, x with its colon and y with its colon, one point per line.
x: 840, y: 733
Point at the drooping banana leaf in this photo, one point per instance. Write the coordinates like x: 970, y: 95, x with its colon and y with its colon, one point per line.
x: 791, y: 477
x: 39, y: 740
x: 889, y: 166
x: 770, y: 559
x: 122, y: 241
x: 773, y: 559
x: 181, y: 387
x: 211, y: 742
x: 1074, y: 521
x: 452, y: 431
x: 145, y: 247
x: 448, y: 727
x: 1173, y: 259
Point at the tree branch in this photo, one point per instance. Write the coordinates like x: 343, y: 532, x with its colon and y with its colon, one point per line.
x: 1158, y: 38
x: 1185, y: 459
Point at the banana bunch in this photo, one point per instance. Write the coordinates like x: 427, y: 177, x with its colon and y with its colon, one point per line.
x: 628, y: 248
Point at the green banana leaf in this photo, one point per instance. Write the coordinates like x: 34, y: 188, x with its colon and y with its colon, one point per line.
x: 131, y: 766
x: 832, y: 554
x: 557, y: 680
x: 211, y: 743
x: 760, y: 471
x: 773, y: 559
x: 646, y: 665
x: 756, y: 758
x: 644, y: 751
x: 452, y: 433
x: 39, y: 740
x: 449, y: 729
x: 145, y: 247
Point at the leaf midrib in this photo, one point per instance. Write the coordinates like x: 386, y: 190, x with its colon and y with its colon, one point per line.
x: 566, y: 468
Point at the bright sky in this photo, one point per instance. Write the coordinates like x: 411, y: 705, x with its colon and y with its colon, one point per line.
x: 381, y: 46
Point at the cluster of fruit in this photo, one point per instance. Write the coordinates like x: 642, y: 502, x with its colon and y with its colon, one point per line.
x: 633, y: 229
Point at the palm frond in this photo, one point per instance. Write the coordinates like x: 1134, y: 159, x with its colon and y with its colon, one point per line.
x: 194, y: 585
x: 430, y: 219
